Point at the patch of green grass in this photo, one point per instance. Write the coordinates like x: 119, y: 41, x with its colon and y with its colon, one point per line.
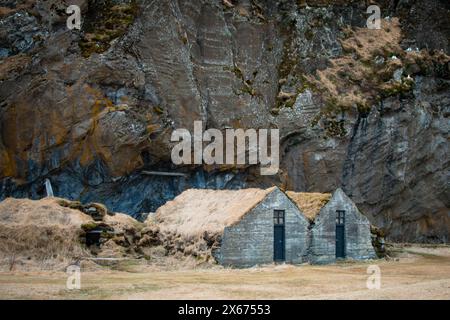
x: 89, y: 226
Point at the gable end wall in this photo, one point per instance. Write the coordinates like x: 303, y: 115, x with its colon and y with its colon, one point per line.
x: 357, y: 232
x: 250, y: 241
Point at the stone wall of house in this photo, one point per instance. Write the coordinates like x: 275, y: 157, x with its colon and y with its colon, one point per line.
x: 357, y: 232
x: 250, y: 242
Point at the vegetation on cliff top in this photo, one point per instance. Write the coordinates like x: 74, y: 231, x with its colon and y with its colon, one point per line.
x: 373, y: 67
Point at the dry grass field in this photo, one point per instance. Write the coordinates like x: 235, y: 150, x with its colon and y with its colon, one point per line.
x: 416, y: 273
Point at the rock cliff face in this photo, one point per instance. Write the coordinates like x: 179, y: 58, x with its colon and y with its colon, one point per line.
x: 364, y: 110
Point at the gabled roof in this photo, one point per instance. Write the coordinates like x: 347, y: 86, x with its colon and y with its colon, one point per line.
x: 198, y: 210
x: 309, y: 203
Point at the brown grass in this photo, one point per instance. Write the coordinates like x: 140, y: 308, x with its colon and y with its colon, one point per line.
x: 44, y: 247
x: 309, y: 203
x: 49, y: 234
x: 355, y: 81
x: 192, y: 224
x: 350, y: 81
x: 419, y: 273
x: 196, y: 211
x: 44, y: 212
x: 39, y: 234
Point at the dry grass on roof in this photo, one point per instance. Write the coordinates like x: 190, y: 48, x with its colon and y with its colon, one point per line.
x: 196, y: 211
x: 309, y: 203
x: 43, y: 212
x: 39, y: 233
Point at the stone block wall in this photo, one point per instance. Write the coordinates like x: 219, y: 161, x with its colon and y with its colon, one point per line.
x: 358, y: 243
x: 250, y: 241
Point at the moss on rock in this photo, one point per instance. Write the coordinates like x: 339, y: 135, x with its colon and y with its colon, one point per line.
x: 105, y: 22
x: 89, y: 226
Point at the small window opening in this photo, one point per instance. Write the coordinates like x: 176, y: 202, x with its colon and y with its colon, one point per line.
x: 340, y: 217
x: 278, y: 217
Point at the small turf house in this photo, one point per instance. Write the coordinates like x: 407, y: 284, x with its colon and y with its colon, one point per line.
x: 338, y: 229
x: 260, y: 226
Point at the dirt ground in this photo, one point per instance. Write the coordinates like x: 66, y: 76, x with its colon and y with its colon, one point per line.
x: 416, y: 273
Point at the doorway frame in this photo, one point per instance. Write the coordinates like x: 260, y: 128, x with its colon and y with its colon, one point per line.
x: 340, y: 223
x: 279, y: 222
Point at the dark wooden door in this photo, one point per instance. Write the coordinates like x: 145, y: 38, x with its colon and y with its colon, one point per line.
x: 279, y: 243
x: 340, y: 241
